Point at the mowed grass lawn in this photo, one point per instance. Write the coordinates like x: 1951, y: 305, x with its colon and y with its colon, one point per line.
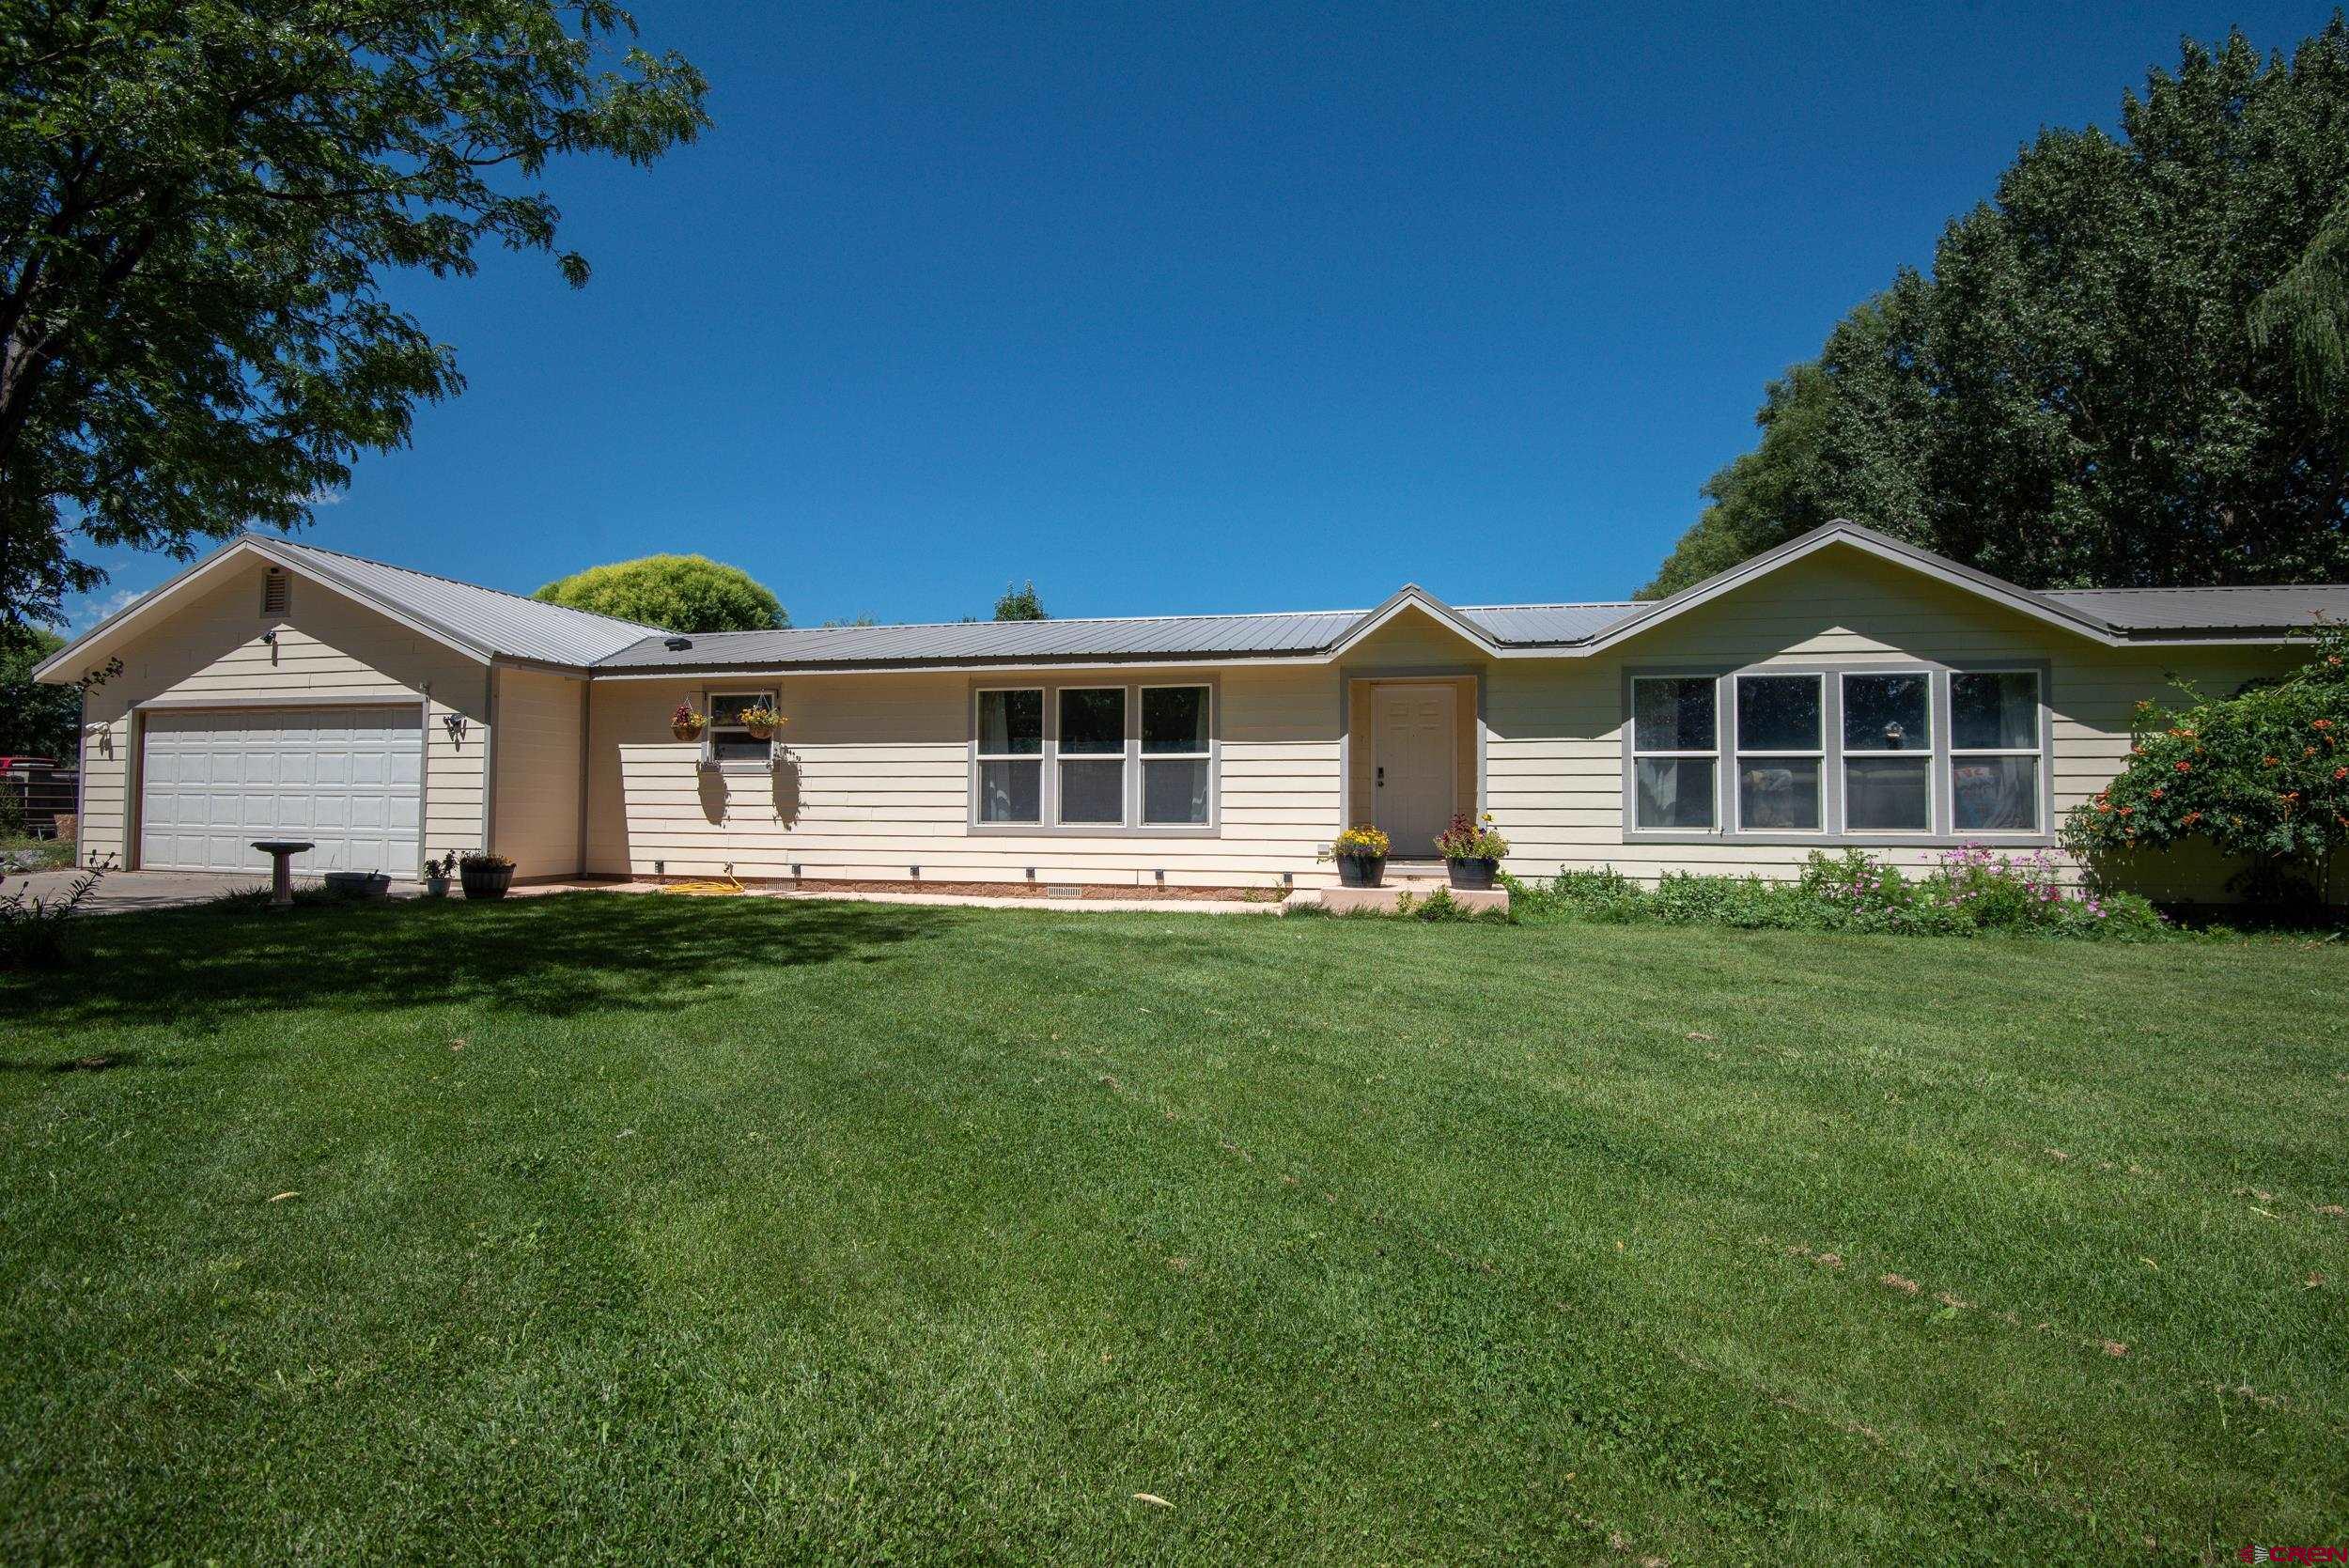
x: 629, y: 1228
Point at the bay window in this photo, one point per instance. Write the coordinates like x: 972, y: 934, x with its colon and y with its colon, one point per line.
x: 1861, y: 754
x: 1090, y: 758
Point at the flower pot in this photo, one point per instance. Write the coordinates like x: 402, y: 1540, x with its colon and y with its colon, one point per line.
x: 436, y: 887
x: 486, y: 881
x: 686, y: 732
x: 358, y: 884
x: 761, y: 731
x: 1475, y: 875
x: 1361, y: 871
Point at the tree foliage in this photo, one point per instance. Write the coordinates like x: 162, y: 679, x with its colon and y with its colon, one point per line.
x: 198, y: 201
x: 2263, y: 774
x: 35, y: 721
x: 1019, y: 604
x: 676, y: 592
x: 2122, y: 371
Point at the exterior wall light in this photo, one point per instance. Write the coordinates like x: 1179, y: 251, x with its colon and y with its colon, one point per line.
x: 455, y: 724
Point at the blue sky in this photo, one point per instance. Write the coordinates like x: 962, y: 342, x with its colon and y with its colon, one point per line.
x: 1181, y: 309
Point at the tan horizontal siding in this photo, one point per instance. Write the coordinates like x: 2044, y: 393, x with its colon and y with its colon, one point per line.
x: 328, y: 646
x: 876, y: 780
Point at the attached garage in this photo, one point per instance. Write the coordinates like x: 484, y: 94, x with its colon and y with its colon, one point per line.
x: 349, y: 780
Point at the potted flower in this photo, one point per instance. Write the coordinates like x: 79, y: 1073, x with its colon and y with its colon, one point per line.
x: 436, y: 874
x: 685, y: 723
x: 1471, y: 850
x: 1360, y: 852
x: 485, y: 876
x: 762, y: 721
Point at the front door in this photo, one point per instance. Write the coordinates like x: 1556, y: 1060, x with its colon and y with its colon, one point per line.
x: 1412, y: 735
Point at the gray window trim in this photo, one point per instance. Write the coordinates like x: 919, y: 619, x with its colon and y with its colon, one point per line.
x: 1047, y: 799
x: 1632, y: 752
x: 1832, y: 834
x: 1830, y: 726
x: 1936, y: 726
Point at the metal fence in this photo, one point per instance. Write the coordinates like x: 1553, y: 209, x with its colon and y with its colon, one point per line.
x: 32, y: 798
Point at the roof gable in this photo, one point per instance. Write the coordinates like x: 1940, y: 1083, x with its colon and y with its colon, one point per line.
x: 481, y: 623
x: 2039, y: 607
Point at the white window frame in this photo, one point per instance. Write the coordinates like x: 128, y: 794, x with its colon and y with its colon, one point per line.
x: 2041, y: 778
x: 1930, y: 753
x: 1639, y: 754
x: 1144, y: 759
x: 1041, y: 756
x: 710, y: 699
x: 1738, y: 754
x: 1129, y: 717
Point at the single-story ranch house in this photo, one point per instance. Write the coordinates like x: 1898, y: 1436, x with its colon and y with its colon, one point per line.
x: 1844, y: 689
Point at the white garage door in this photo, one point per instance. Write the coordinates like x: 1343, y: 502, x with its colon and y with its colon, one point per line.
x: 348, y: 778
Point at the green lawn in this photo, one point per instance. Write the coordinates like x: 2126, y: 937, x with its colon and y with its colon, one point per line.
x: 630, y: 1227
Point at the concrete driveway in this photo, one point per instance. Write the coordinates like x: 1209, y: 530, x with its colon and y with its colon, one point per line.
x: 157, y: 890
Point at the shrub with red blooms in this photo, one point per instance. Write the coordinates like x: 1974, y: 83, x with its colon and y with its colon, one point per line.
x: 2263, y: 774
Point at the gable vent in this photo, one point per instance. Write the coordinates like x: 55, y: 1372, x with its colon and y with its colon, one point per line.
x: 277, y: 592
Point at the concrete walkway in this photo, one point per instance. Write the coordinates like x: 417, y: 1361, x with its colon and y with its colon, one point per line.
x: 125, y: 891
x: 954, y: 900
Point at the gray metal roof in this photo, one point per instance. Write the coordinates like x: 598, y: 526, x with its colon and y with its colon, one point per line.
x: 2189, y: 610
x: 489, y: 619
x: 1151, y: 637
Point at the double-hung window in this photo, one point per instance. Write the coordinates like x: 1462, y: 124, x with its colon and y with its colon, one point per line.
x: 1176, y: 757
x: 732, y: 745
x: 1675, y: 752
x: 1781, y: 749
x: 1888, y: 752
x: 1011, y: 755
x: 1994, y: 757
x: 1092, y: 756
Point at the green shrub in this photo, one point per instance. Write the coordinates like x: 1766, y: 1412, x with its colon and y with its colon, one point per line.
x: 1975, y: 890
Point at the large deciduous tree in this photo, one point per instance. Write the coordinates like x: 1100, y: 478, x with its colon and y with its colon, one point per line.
x: 676, y: 592
x: 199, y: 200
x: 2127, y: 369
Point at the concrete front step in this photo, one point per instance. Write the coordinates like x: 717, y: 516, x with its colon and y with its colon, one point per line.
x: 1388, y: 897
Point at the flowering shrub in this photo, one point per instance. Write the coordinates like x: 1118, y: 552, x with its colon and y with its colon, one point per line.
x: 1361, y: 839
x: 2262, y: 774
x: 1974, y: 890
x: 1470, y: 838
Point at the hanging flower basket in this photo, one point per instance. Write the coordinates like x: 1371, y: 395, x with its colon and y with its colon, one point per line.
x: 761, y: 721
x: 685, y: 723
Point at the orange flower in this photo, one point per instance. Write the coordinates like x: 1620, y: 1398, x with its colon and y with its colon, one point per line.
x: 2189, y: 819
x: 2156, y: 794
x: 2323, y: 723
x: 2340, y: 773
x: 2272, y: 762
x: 2186, y: 768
